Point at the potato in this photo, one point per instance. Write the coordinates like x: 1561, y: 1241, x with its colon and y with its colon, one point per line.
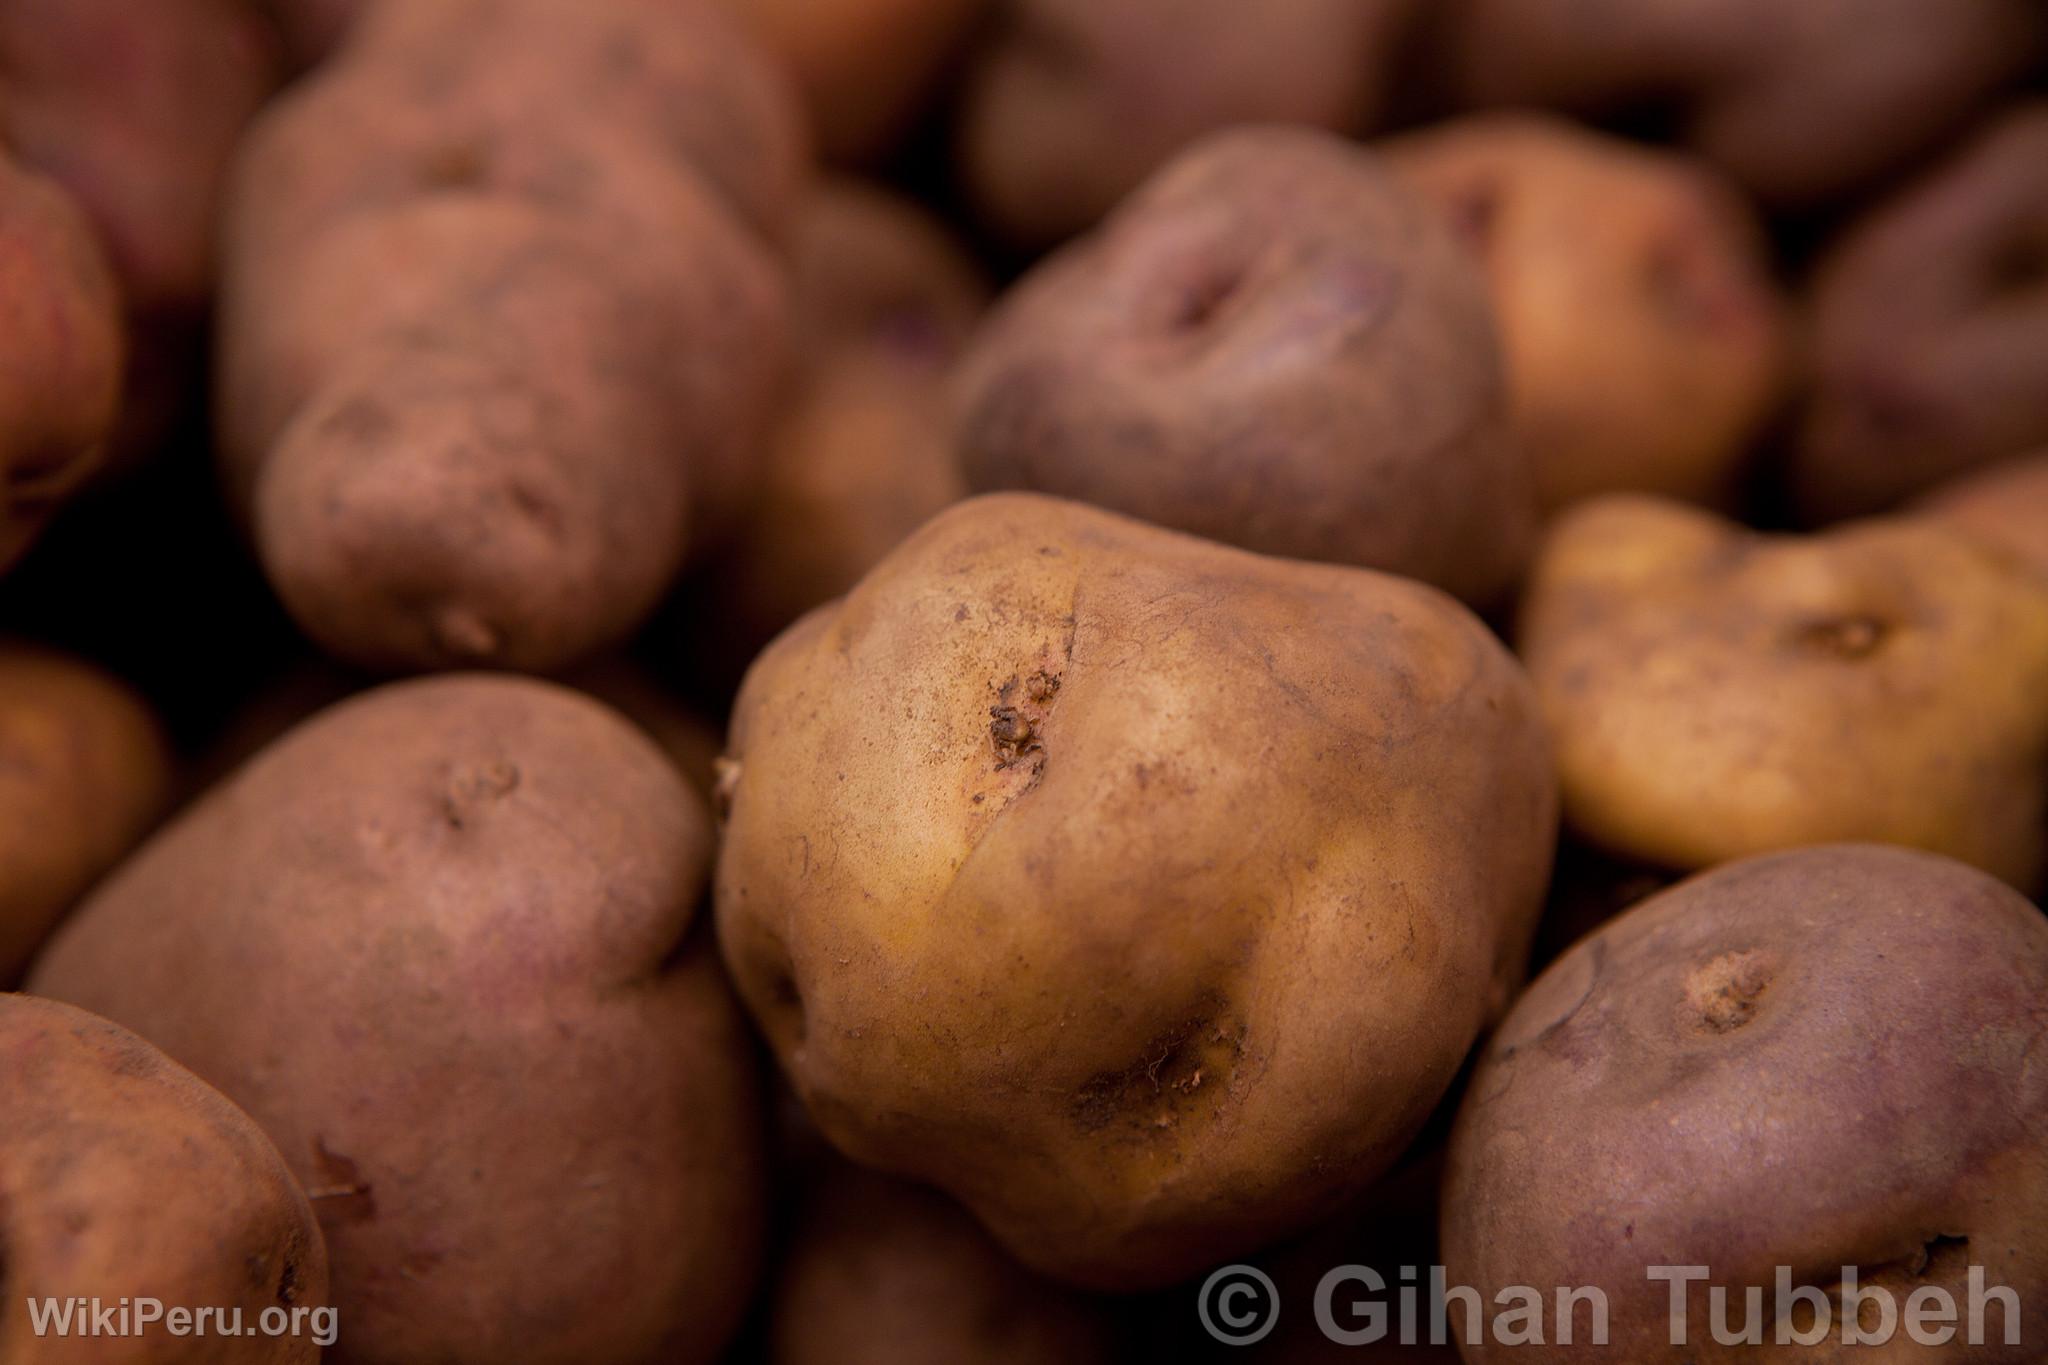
x: 437, y: 942
x: 1715, y: 693
x: 1272, y: 344
x: 1930, y: 323
x: 1141, y: 893
x: 1817, y: 1060
x: 84, y: 772
x: 860, y: 454
x: 1802, y: 103
x: 865, y: 66
x: 134, y: 109
x: 1645, y: 338
x: 2004, y: 507
x: 61, y: 352
x: 880, y: 1272
x: 126, y: 1178
x: 496, y: 365
x: 1071, y: 104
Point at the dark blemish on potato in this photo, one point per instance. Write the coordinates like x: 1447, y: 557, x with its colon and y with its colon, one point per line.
x: 1168, y: 1079
x: 339, y: 1194
x: 960, y: 612
x: 1727, y: 992
x: 470, y: 788
x: 1474, y: 212
x: 463, y: 635
x: 1843, y: 637
x: 359, y: 421
x: 455, y: 166
x: 1012, y: 734
x: 288, y: 1281
x: 1202, y: 301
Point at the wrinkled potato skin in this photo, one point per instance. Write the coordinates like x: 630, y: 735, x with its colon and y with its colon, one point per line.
x: 1803, y: 103
x: 2005, y: 508
x: 1042, y: 841
x: 123, y: 1176
x: 861, y: 453
x: 1815, y: 1059
x: 430, y: 941
x: 61, y: 350
x: 880, y: 1272
x: 1071, y: 104
x: 1715, y: 692
x: 1276, y: 345
x: 1930, y: 329
x: 1645, y: 338
x: 84, y: 772
x: 495, y: 366
x: 864, y: 66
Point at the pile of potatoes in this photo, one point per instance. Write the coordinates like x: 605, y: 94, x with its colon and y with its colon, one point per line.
x: 837, y: 681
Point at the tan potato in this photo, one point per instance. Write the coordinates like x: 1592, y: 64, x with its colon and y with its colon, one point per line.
x: 1714, y: 692
x: 124, y: 1178
x: 61, y: 352
x: 1803, y: 103
x: 84, y: 773
x: 437, y: 942
x: 496, y: 365
x: 1141, y: 893
x: 1645, y: 338
x: 1930, y: 329
x: 879, y: 1272
x: 865, y: 66
x: 1273, y: 344
x: 860, y: 454
x: 2004, y: 507
x: 1820, y: 1060
x: 1071, y: 104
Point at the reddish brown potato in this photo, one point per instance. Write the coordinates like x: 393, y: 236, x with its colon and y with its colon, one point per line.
x: 865, y: 66
x: 1142, y: 893
x: 1274, y: 344
x: 1071, y: 104
x: 1645, y: 337
x: 84, y: 773
x: 1803, y: 103
x: 2005, y: 507
x: 1930, y: 327
x: 496, y: 363
x: 1821, y: 1060
x: 880, y: 1272
x: 127, y: 1178
x: 61, y: 349
x: 438, y: 942
x: 1714, y: 692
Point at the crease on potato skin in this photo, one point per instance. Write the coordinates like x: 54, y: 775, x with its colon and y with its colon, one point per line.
x: 1881, y: 1109
x: 1713, y: 692
x: 1102, y: 1014
x: 488, y: 1027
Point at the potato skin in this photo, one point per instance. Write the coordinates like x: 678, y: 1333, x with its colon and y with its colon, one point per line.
x: 436, y: 941
x: 1816, y: 1059
x: 123, y: 1175
x: 864, y: 66
x: 860, y: 453
x: 2004, y: 507
x: 62, y: 346
x: 1044, y: 849
x: 1070, y: 105
x: 881, y: 1272
x: 1273, y: 344
x: 502, y: 447
x: 1804, y: 104
x: 84, y: 772
x: 1930, y: 329
x: 1645, y: 338
x: 1715, y: 693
